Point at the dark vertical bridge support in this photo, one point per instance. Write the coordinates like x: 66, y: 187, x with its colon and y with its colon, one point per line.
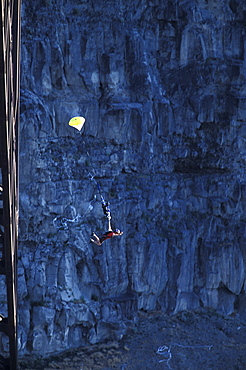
x: 9, y: 121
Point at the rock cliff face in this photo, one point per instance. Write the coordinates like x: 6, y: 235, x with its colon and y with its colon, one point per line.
x: 162, y: 87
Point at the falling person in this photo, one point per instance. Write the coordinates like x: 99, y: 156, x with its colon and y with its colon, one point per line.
x: 108, y: 234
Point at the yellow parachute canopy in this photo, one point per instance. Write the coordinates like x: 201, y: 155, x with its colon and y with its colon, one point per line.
x: 77, y: 122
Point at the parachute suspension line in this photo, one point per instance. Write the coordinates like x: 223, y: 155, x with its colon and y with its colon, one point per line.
x: 105, y: 205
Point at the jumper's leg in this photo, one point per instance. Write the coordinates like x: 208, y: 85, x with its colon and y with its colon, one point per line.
x: 96, y: 237
x: 96, y: 242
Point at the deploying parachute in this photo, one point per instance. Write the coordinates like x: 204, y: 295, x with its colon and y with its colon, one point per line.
x: 77, y: 122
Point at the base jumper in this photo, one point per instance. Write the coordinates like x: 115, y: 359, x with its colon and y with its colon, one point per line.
x: 110, y: 233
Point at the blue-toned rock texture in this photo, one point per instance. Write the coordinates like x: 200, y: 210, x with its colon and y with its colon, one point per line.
x: 162, y: 87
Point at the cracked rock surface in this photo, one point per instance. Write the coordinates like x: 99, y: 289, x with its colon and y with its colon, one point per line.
x: 193, y: 340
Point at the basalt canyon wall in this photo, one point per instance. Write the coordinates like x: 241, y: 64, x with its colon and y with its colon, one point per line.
x: 162, y: 87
